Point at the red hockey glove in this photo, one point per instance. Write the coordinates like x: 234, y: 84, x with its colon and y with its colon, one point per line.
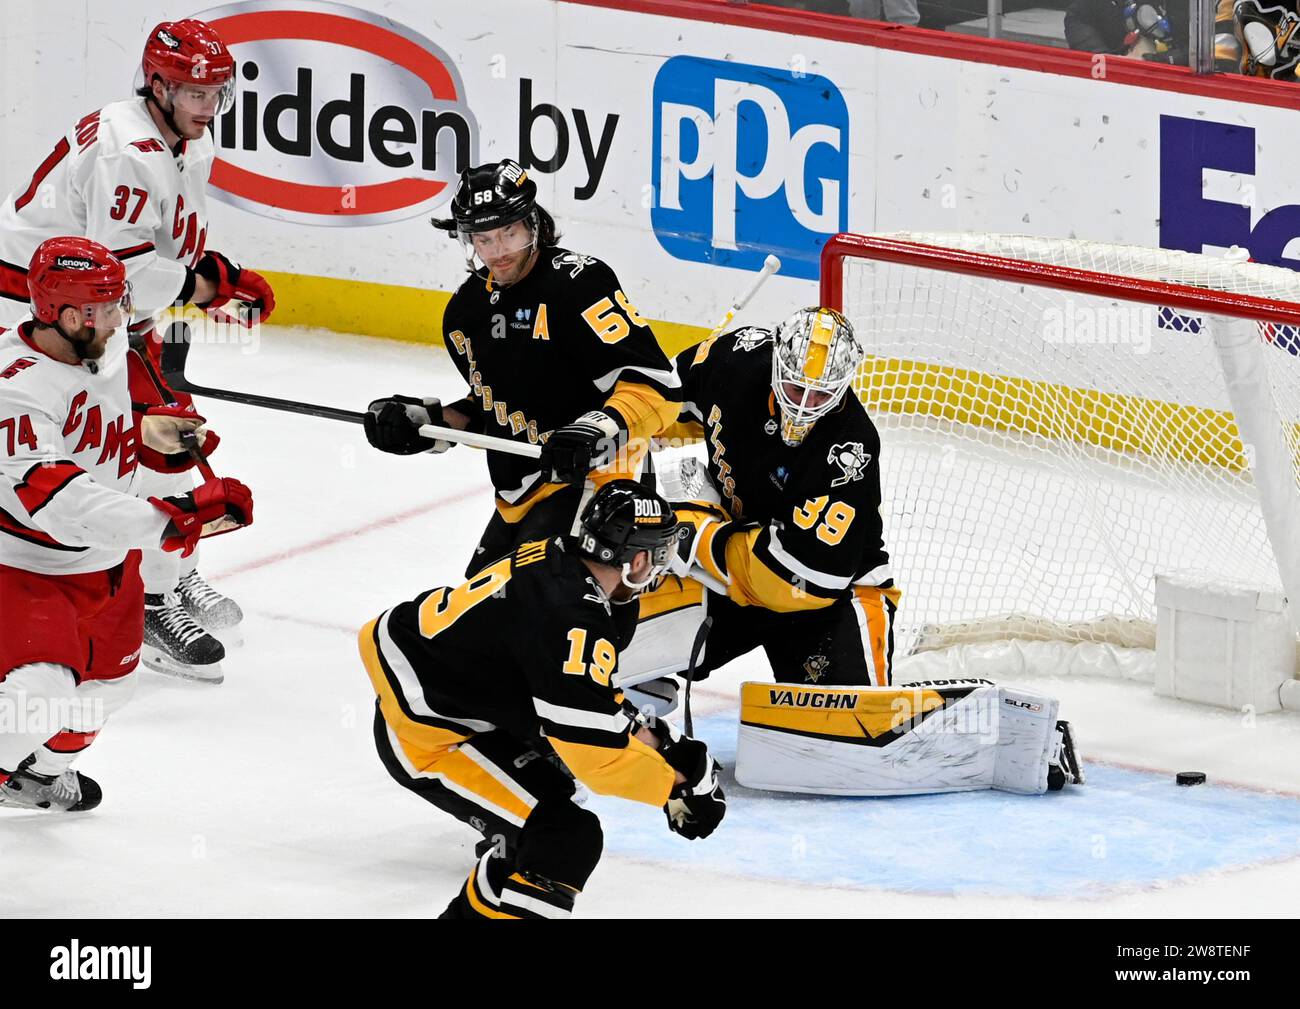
x: 209, y: 502
x: 236, y: 284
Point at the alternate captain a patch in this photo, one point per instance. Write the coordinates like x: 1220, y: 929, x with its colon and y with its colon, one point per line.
x: 851, y: 458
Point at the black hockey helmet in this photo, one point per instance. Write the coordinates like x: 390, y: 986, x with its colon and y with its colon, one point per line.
x: 490, y: 196
x: 622, y: 519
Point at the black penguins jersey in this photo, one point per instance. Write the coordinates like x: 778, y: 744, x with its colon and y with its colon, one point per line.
x: 529, y: 646
x: 813, y: 509
x: 562, y: 341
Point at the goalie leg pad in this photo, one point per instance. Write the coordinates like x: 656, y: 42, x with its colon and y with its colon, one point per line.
x: 670, y: 615
x: 939, y: 736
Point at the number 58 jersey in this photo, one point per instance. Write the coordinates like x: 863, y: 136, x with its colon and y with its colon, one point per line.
x: 112, y: 179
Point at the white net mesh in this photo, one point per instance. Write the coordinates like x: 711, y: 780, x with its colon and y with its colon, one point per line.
x: 1045, y: 453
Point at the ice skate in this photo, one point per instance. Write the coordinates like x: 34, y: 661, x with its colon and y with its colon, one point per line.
x: 69, y: 792
x: 216, y: 613
x: 174, y: 644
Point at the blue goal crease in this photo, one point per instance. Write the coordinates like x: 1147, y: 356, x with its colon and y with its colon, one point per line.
x: 1124, y: 830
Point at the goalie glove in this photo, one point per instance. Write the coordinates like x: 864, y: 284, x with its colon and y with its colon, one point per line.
x: 701, y: 553
x: 226, y: 498
x: 573, y: 451
x: 393, y: 425
x: 235, y: 284
x: 696, y: 806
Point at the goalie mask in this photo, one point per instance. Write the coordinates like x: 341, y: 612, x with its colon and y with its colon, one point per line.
x: 1270, y: 44
x: 489, y: 199
x: 815, y: 357
x: 621, y: 520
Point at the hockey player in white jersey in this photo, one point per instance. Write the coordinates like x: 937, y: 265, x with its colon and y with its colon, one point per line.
x: 132, y: 177
x: 72, y: 524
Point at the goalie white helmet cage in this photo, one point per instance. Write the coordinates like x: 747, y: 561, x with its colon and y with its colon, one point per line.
x: 815, y: 357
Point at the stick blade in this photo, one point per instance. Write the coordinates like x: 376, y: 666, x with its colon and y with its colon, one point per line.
x: 175, y: 353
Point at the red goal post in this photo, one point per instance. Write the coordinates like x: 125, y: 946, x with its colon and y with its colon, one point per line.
x: 889, y: 249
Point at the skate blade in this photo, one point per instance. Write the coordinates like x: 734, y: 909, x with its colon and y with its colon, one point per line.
x: 160, y: 662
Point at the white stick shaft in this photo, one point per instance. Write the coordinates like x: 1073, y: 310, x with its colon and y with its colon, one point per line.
x: 481, y: 440
x: 770, y: 265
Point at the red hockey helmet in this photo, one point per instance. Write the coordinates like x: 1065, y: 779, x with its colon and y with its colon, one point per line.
x: 190, y: 54
x: 76, y: 272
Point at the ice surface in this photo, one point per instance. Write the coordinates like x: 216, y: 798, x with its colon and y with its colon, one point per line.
x: 263, y: 796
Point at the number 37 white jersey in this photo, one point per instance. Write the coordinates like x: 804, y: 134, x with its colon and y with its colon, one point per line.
x: 113, y: 180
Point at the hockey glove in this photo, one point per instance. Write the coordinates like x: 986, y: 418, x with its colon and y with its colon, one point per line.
x: 188, y: 513
x: 236, y: 284
x: 576, y: 449
x: 696, y: 806
x: 393, y: 425
x: 162, y: 447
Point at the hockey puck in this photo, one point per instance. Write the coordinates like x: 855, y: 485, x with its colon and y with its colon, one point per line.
x: 1190, y: 777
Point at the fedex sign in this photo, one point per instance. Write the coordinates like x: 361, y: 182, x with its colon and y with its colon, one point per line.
x: 747, y: 160
x: 1189, y: 221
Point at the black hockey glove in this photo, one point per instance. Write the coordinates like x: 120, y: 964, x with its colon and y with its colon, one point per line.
x: 393, y: 425
x: 573, y: 451
x: 695, y: 807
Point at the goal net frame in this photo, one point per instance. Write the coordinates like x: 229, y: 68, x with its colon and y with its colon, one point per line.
x: 1237, y: 322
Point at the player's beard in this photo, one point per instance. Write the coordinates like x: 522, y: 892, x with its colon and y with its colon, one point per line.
x: 88, y: 344
x: 517, y: 271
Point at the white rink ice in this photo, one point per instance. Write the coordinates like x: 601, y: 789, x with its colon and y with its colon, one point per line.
x: 263, y: 796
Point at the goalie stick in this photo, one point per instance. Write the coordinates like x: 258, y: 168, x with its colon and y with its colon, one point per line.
x: 696, y: 648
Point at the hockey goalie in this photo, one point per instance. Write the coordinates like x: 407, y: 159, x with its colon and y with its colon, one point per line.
x: 786, y: 553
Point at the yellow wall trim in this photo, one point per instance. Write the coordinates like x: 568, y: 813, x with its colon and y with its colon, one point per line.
x: 1120, y: 423
x: 410, y: 314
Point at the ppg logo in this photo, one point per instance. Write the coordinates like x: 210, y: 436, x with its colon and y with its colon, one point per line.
x: 748, y: 160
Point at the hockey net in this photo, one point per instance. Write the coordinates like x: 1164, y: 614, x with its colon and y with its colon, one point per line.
x: 1061, y: 420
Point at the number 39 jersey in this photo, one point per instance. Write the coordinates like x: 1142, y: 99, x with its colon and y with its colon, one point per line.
x: 528, y: 646
x: 112, y: 179
x: 814, y: 507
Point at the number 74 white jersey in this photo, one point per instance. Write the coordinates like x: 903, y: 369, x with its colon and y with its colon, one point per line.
x: 112, y: 179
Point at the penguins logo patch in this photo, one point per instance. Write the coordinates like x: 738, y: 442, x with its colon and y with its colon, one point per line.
x: 574, y: 259
x: 751, y: 338
x: 815, y: 668
x: 852, y: 460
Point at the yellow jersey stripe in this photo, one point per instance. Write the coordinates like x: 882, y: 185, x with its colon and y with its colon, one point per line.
x: 634, y: 772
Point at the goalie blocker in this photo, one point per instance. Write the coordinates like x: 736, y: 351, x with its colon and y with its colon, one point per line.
x: 931, y: 736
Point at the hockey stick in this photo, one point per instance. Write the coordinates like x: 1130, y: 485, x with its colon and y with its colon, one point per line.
x: 770, y: 265
x: 176, y: 350
x: 696, y: 648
